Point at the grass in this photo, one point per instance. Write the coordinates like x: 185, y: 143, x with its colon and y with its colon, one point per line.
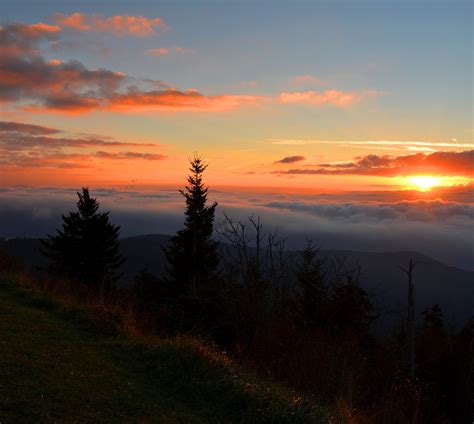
x: 66, y: 364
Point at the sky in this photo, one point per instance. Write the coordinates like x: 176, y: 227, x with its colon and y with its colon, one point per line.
x: 305, y: 98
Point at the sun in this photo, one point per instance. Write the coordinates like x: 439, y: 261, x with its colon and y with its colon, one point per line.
x: 424, y: 182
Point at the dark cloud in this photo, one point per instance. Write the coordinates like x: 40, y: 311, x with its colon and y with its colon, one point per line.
x: 130, y: 155
x: 26, y: 76
x: 291, y: 159
x: 35, y: 146
x: 8, y: 126
x: 71, y: 160
x: 30, y: 81
x: 35, y: 159
x: 17, y: 136
x: 437, y: 163
x: 18, y: 39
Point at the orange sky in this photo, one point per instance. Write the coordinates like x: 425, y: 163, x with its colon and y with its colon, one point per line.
x: 127, y: 110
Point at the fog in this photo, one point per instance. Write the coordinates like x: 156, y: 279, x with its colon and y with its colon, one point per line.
x: 437, y: 228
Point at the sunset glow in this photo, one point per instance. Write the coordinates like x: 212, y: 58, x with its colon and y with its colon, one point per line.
x: 424, y: 182
x: 107, y: 98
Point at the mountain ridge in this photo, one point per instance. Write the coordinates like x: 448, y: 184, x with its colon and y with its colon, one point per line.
x: 435, y: 282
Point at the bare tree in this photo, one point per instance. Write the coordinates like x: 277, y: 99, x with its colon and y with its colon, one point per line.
x: 410, y: 324
x: 257, y: 272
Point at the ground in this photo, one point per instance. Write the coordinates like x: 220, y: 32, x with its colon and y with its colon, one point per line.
x: 59, y: 365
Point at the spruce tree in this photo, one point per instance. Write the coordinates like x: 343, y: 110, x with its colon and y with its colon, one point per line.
x: 313, y: 296
x: 192, y: 253
x: 87, y: 249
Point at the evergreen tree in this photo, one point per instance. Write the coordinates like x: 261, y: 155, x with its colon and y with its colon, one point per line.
x: 192, y: 254
x: 313, y: 296
x: 351, y: 306
x: 87, y: 248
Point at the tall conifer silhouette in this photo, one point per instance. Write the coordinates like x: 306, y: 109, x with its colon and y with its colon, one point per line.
x: 313, y: 296
x: 87, y: 248
x: 192, y: 253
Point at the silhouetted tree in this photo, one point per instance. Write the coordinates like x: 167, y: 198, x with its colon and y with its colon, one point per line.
x: 192, y: 253
x: 312, y: 298
x: 351, y: 306
x: 87, y: 248
x: 411, y: 335
x: 431, y: 342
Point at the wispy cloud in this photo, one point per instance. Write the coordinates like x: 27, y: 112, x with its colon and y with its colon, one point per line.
x: 138, y: 26
x: 437, y: 163
x: 314, y: 98
x: 33, y: 146
x: 160, y: 51
x: 164, y: 51
x: 305, y: 81
x: 290, y: 159
x: 405, y: 144
x: 130, y: 155
x: 17, y: 127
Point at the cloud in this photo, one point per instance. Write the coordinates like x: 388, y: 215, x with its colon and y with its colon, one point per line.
x: 37, y: 159
x: 26, y: 76
x: 18, y: 39
x: 138, y: 26
x: 19, y: 136
x: 32, y: 83
x: 314, y: 98
x: 176, y: 100
x: 290, y: 159
x: 161, y: 51
x: 440, y: 229
x: 26, y: 145
x: 379, y: 144
x: 71, y: 160
x: 437, y: 163
x: 305, y: 81
x: 17, y: 127
x: 419, y: 210
x: 248, y: 84
x: 164, y: 51
x: 130, y: 155
x: 39, y: 85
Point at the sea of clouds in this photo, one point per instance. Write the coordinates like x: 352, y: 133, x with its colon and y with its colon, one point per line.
x: 440, y: 227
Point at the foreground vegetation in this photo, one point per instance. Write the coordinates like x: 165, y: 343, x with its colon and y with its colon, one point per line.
x: 303, y: 320
x: 64, y: 363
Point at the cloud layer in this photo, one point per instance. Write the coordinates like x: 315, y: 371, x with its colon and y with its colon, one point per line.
x: 437, y: 163
x: 364, y: 221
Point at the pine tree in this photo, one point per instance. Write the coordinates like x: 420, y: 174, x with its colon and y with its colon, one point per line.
x: 87, y: 248
x: 313, y: 296
x: 192, y: 253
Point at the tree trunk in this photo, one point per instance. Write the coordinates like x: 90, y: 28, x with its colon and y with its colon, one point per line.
x: 410, y: 319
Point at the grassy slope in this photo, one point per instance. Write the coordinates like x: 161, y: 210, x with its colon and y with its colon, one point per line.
x: 57, y: 364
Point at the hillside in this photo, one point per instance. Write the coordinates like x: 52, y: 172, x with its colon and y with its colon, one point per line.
x: 435, y: 282
x: 62, y: 364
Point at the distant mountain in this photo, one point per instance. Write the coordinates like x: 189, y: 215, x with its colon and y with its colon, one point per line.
x: 452, y: 288
x: 435, y: 282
